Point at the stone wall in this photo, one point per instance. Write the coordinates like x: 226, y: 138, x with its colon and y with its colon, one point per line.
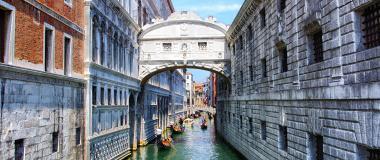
x: 336, y: 100
x: 34, y: 105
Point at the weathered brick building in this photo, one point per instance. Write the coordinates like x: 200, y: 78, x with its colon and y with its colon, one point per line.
x: 41, y: 50
x: 305, y: 80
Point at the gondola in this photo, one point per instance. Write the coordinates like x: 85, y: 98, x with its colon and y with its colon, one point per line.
x: 203, y: 126
x: 178, y: 129
x: 165, y: 143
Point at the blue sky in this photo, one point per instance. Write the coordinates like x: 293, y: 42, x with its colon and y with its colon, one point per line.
x: 223, y: 10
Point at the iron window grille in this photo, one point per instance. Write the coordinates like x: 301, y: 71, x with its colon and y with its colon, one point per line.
x: 263, y: 130
x: 318, y: 46
x: 284, y: 59
x: 374, y: 154
x: 264, y: 68
x: 167, y: 46
x: 371, y: 26
x: 202, y: 46
x: 251, y: 73
x: 262, y: 16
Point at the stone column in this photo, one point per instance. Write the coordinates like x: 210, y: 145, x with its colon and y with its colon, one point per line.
x: 98, y: 100
x: 136, y: 126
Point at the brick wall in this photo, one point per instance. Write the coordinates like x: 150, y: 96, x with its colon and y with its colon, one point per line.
x: 30, y: 33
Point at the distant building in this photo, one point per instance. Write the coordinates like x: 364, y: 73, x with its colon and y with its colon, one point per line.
x: 211, y: 90
x: 199, y: 91
x: 189, y: 91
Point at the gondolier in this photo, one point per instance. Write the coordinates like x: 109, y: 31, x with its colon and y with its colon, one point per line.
x: 158, y: 134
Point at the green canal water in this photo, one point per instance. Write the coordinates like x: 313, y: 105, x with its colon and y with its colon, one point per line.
x: 194, y: 144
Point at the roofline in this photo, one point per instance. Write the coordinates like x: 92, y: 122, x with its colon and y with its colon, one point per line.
x: 171, y: 6
x: 171, y: 22
x: 239, y: 17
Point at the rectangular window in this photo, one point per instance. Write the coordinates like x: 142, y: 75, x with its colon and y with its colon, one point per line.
x: 263, y: 130
x: 250, y: 125
x: 315, y: 147
x: 373, y: 154
x: 102, y: 95
x: 109, y: 96
x: 251, y: 73
x: 5, y: 30
x: 241, y: 78
x: 19, y: 149
x: 121, y: 118
x: 264, y: 68
x: 241, y: 42
x: 283, y: 138
x: 167, y: 46
x: 262, y: 17
x: 249, y: 34
x: 115, y: 97
x: 77, y: 136
x: 317, y: 45
x: 202, y: 46
x: 371, y: 25
x: 67, y: 52
x: 241, y: 121
x: 55, y: 142
x: 282, y: 6
x: 94, y: 94
x: 131, y: 63
x: 283, y: 59
x: 121, y: 98
x: 229, y: 117
x: 49, y: 48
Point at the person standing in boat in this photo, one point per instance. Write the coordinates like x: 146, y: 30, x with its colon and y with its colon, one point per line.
x: 181, y: 121
x: 158, y: 134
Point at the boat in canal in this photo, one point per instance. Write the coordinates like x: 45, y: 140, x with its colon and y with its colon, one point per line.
x: 177, y: 129
x: 188, y: 122
x: 204, y: 125
x: 165, y: 143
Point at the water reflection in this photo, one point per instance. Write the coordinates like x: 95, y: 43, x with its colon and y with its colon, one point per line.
x: 194, y: 144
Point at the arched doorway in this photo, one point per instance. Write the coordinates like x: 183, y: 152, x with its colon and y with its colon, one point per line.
x: 132, y: 105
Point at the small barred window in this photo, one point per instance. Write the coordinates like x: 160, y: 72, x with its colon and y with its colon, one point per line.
x: 202, y: 46
x: 317, y: 46
x: 371, y: 25
x: 167, y: 46
x: 262, y: 16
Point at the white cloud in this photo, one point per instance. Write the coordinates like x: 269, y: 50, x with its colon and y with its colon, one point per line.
x: 217, y: 8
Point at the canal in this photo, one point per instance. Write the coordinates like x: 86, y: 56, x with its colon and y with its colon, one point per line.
x: 194, y: 144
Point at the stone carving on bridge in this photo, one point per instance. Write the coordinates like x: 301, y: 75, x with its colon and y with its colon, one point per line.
x: 194, y: 43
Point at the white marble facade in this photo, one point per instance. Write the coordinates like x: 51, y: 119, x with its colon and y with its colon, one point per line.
x: 111, y: 75
x: 183, y: 40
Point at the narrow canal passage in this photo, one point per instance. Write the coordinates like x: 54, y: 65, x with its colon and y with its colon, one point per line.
x: 194, y: 144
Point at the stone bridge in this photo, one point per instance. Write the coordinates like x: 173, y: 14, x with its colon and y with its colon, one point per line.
x: 184, y: 40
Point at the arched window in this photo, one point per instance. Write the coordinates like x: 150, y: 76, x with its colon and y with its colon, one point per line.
x: 95, y: 46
